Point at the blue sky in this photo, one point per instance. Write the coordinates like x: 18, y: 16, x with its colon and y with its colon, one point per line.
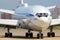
x: 11, y: 4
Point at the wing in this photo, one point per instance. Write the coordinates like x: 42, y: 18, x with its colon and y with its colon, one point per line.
x: 10, y: 22
x: 7, y: 11
x: 55, y: 22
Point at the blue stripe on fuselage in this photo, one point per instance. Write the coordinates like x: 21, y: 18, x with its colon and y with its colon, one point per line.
x: 30, y: 15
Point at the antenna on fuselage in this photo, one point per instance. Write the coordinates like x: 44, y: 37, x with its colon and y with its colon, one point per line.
x: 24, y: 4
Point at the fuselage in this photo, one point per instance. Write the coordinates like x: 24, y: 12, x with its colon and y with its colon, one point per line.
x: 34, y: 17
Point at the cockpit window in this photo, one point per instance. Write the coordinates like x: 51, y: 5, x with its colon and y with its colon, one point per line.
x: 39, y: 14
x: 42, y: 14
x: 45, y: 14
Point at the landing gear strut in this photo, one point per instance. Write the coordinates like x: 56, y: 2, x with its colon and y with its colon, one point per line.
x: 40, y: 34
x: 8, y: 34
x: 29, y: 34
x: 51, y: 33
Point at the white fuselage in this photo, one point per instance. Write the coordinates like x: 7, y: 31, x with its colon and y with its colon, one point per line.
x: 35, y: 17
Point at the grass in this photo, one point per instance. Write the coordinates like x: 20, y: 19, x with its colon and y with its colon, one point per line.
x: 56, y: 27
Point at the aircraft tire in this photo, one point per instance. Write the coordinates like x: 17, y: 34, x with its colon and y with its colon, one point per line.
x: 48, y: 34
x: 53, y: 34
x: 10, y: 34
x: 6, y: 34
x: 31, y: 35
x: 26, y: 35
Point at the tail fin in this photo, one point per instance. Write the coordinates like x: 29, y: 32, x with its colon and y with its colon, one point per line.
x: 24, y: 4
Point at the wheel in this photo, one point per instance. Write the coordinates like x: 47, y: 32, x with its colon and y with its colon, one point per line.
x: 48, y: 34
x: 26, y: 34
x: 31, y: 35
x: 6, y: 34
x: 37, y: 35
x: 53, y: 34
x: 10, y: 34
x: 40, y: 36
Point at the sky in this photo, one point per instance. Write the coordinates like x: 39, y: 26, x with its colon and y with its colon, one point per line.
x: 12, y: 4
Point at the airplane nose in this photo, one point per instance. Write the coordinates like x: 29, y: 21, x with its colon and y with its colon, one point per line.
x: 45, y: 19
x: 41, y: 23
x: 45, y: 22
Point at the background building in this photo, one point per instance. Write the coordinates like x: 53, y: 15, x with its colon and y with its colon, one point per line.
x: 6, y: 16
x: 56, y: 13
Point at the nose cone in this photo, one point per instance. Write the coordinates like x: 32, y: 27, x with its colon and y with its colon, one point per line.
x: 41, y: 23
x: 45, y: 19
x: 44, y: 22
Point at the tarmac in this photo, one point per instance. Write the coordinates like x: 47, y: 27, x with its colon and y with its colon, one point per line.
x: 19, y: 34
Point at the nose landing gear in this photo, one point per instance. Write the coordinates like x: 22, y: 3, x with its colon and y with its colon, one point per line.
x: 29, y: 34
x: 40, y: 35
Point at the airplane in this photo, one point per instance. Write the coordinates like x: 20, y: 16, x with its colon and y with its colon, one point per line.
x: 32, y: 18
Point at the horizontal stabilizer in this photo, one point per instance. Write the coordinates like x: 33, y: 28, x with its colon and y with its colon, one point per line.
x: 7, y: 11
x: 51, y: 7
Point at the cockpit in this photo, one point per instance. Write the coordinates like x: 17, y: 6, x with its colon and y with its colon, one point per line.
x: 42, y: 14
